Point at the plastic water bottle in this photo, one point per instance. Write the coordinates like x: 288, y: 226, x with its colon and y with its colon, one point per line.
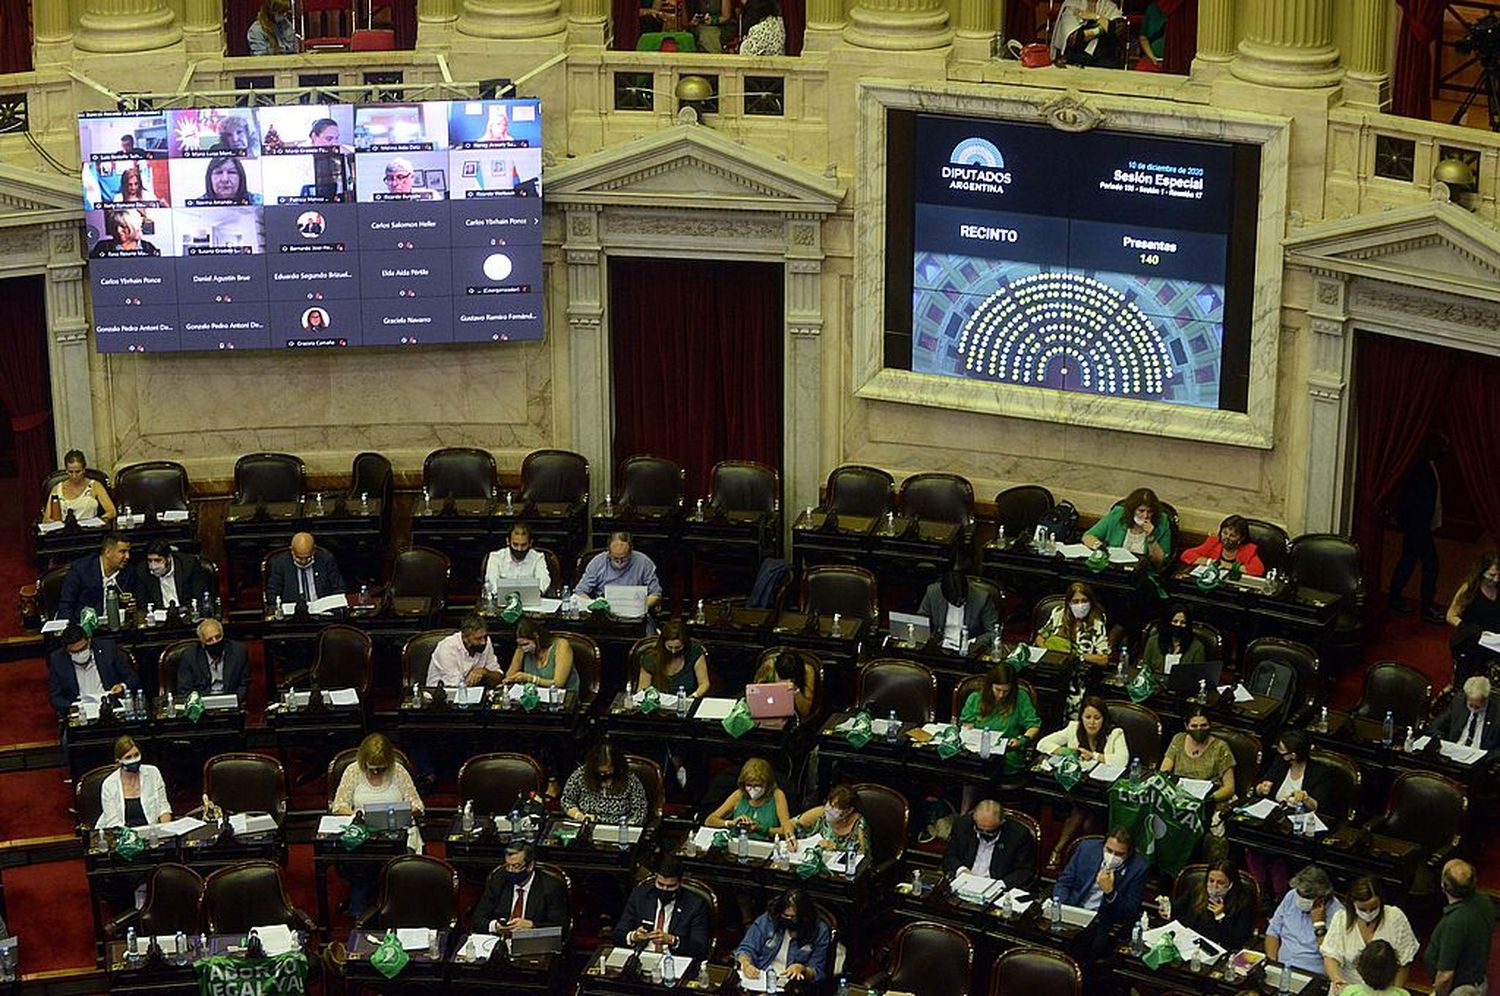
x: 466, y: 820
x: 132, y: 952
x: 668, y: 968
x: 1135, y: 769
x: 996, y: 645
x: 986, y: 744
x: 843, y: 987
x: 318, y: 503
x: 838, y: 619
x: 1299, y: 816
x: 1409, y: 744
x: 1000, y: 535
x: 963, y: 640
x: 1138, y: 937
x: 699, y: 508
x: 1195, y: 959
x: 1007, y: 905
x: 416, y: 695
x: 434, y: 948
x: 1123, y: 668
x: 742, y: 846
x: 202, y: 945
x: 683, y: 702
x: 624, y: 828
x: 892, y: 728
x: 1284, y: 984
x: 1202, y: 690
x: 911, y: 634
x: 849, y: 857
x: 515, y: 819
x: 364, y: 501
x: 171, y: 705
x: 1388, y: 729
x: 426, y: 502
x: 700, y: 618
x: 1054, y: 915
x: 510, y: 502
x: 1323, y: 719
x: 180, y: 948
x: 567, y: 601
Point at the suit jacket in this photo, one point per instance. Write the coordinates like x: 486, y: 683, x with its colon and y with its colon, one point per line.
x: 980, y: 614
x: 283, y: 584
x: 1077, y: 879
x: 546, y: 902
x: 83, y: 585
x: 62, y: 681
x: 187, y: 573
x: 1317, y: 780
x: 1450, y: 723
x: 1012, y: 860
x: 194, y: 674
x: 689, y: 919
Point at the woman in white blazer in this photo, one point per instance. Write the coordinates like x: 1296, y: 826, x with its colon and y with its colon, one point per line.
x: 1092, y: 736
x: 134, y: 794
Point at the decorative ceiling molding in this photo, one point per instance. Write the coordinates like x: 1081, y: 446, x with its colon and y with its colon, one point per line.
x: 31, y: 198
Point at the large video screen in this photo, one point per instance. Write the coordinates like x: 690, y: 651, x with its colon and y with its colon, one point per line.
x: 1102, y: 262
x: 314, y: 226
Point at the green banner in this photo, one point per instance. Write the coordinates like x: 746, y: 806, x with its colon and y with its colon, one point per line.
x: 225, y: 976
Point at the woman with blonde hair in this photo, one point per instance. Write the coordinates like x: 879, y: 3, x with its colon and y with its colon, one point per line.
x: 758, y: 804
x: 272, y: 32
x: 378, y: 776
x: 134, y: 794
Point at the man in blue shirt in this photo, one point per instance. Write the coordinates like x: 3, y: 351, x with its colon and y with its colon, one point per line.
x: 620, y: 565
x: 1105, y: 876
x: 1296, y: 930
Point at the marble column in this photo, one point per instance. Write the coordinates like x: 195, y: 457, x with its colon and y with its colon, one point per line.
x: 825, y: 25
x: 978, y: 20
x: 435, y: 20
x: 68, y: 345
x: 802, y: 401
x: 510, y: 18
x: 52, y: 28
x: 588, y: 352
x: 588, y: 22
x: 126, y: 26
x: 1367, y: 80
x: 1216, y: 36
x: 899, y: 25
x: 1289, y: 43
x: 1328, y: 413
x: 203, y: 26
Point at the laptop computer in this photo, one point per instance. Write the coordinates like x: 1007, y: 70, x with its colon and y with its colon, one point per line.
x: 773, y: 700
x: 529, y: 592
x: 388, y: 816
x: 628, y: 601
x: 537, y: 941
x: 913, y: 629
x: 1185, y: 677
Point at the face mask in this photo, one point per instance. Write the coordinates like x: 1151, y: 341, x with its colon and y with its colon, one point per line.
x: 1112, y: 861
x: 528, y: 648
x: 131, y: 766
x: 666, y: 896
x: 755, y: 791
x: 1080, y: 610
x: 1217, y: 891
x: 1198, y: 736
x: 215, y: 650
x: 516, y: 877
x: 1181, y: 633
x: 834, y: 815
x: 988, y: 836
x: 157, y: 570
x: 788, y: 922
x: 1305, y: 903
x: 82, y: 656
x: 518, y: 555
x: 1368, y: 916
x: 474, y: 649
x: 1143, y: 521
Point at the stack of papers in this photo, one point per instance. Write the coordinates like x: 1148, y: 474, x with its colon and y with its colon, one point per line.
x: 714, y: 709
x: 244, y: 824
x: 765, y: 982
x: 1459, y: 753
x: 130, y: 521
x: 328, y: 825
x: 92, y: 522
x: 178, y: 827
x: 1490, y: 641
x: 54, y: 626
x: 760, y: 850
x: 318, y: 606
x: 835, y: 860
x: 1107, y: 773
x: 1261, y: 810
x: 341, y: 697
x: 976, y: 888
x: 466, y: 695
x: 48, y: 527
x: 174, y: 515
x: 1186, y: 941
x: 415, y: 938
x: 276, y: 938
x: 478, y: 947
x: 1077, y: 551
x: 618, y: 958
x: 545, y: 694
x: 1198, y: 788
x: 1241, y: 693
x: 1019, y: 901
x: 609, y: 833
x: 878, y: 727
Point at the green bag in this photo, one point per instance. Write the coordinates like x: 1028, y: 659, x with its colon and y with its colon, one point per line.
x: 598, y: 605
x: 193, y: 707
x: 128, y: 843
x: 1020, y: 657
x: 812, y: 864
x: 949, y: 743
x: 739, y: 721
x: 390, y: 958
x: 1098, y: 560
x: 354, y: 835
x: 1143, y: 685
x: 859, y: 733
x: 650, y: 701
x: 88, y: 619
x: 1163, y: 953
x: 1068, y: 770
x: 511, y: 612
x: 720, y: 841
x: 529, y: 698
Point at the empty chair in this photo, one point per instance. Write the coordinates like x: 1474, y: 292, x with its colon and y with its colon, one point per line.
x: 1035, y: 972
x: 1394, y: 688
x: 555, y: 477
x: 855, y: 489
x: 341, y: 659
x: 370, y: 475
x: 49, y: 592
x: 326, y: 24
x: 938, y: 498
x: 173, y: 895
x: 420, y: 572
x: 1020, y: 508
x: 1284, y: 670
x: 155, y: 486
x: 1272, y: 545
x: 459, y: 472
x: 1343, y: 794
x: 1330, y: 563
x: 263, y: 478
x: 246, y: 783
x: 930, y: 959
x: 415, y: 891
x: 497, y: 783
x: 416, y: 655
x: 903, y: 687
x: 249, y: 894
x: 650, y: 482
x: 1431, y: 811
x: 886, y: 819
x: 744, y: 486
x: 830, y: 588
x: 1142, y: 729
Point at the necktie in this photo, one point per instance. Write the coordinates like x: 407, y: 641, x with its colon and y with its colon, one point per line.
x: 307, y: 583
x: 661, y: 921
x: 1472, y: 729
x: 519, y: 908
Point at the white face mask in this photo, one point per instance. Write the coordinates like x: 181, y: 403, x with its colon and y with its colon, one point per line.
x: 1305, y: 904
x: 1112, y: 861
x: 1368, y: 916
x: 1143, y: 520
x: 755, y: 791
x: 157, y: 570
x: 834, y: 815
x: 1080, y: 610
x: 82, y: 656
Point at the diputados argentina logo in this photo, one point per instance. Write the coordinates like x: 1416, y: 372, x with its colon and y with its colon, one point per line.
x: 977, y: 165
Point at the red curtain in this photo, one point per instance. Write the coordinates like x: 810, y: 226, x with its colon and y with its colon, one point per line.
x: 1411, y: 89
x: 24, y: 385
x: 1400, y: 391
x: 238, y: 14
x: 1020, y: 21
x: 15, y: 36
x: 697, y: 371
x: 1181, y: 43
x: 1474, y: 431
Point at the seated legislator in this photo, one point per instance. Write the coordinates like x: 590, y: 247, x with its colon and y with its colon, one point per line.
x: 1229, y: 549
x: 983, y: 844
x: 1077, y: 627
x: 85, y: 668
x: 89, y: 576
x: 603, y: 788
x: 273, y: 32
x: 134, y: 794
x: 1137, y: 525
x: 465, y: 658
x: 676, y: 665
x: 374, y: 779
x: 1220, y: 909
x: 789, y: 667
x: 1293, y: 779
x: 1174, y: 639
x: 1004, y: 708
x: 620, y: 564
x: 788, y: 941
x: 758, y: 804
x: 837, y: 822
x: 520, y: 899
x: 309, y: 573
x: 1085, y: 34
x: 1474, y: 611
x: 953, y: 608
x: 1197, y: 753
x: 1471, y: 719
x: 166, y: 578
x: 1297, y: 928
x: 1106, y: 876
x: 660, y: 914
x: 78, y: 493
x: 1353, y: 930
x: 518, y: 561
x: 1095, y: 737
x: 216, y: 666
x: 541, y: 659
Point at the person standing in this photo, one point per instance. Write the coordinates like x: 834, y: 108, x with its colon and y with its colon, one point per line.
x: 1419, y: 514
x: 1459, y: 952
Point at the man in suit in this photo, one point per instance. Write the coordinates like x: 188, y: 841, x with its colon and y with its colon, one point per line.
x: 661, y: 914
x: 1106, y: 876
x: 1419, y: 514
x: 88, y: 577
x: 216, y: 666
x: 954, y: 607
x: 308, y: 573
x: 82, y: 666
x: 520, y: 899
x: 1471, y: 719
x: 166, y: 578
x: 983, y: 844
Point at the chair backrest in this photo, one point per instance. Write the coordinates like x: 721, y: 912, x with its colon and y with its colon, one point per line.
x: 244, y: 895
x: 554, y: 570
x: 371, y: 474
x: 1282, y: 669
x: 170, y: 661
x: 1213, y: 639
x: 830, y: 588
x: 906, y: 687
x: 459, y: 472
x: 855, y: 489
x: 416, y: 654
x: 341, y: 762
x: 1245, y: 746
x: 420, y: 572
x: 246, y: 783
x: 705, y: 892
x: 1037, y: 972
x: 373, y: 40
x: 975, y: 683
x: 555, y: 476
x: 1020, y: 508
x: 173, y: 895
x: 637, y: 660
x: 1343, y: 800
x: 587, y: 662
x: 342, y: 658
x: 496, y: 879
x: 49, y: 591
x: 938, y: 498
x: 87, y: 792
x: 154, y: 486
x: 1426, y: 808
x: 1189, y: 884
x: 745, y: 486
x: 1272, y: 545
x: 932, y: 959
x: 55, y: 478
x: 1328, y: 562
x: 1042, y: 610
x: 416, y: 891
x: 268, y: 477
x: 1392, y: 687
x: 651, y: 481
x: 649, y: 772
x: 496, y: 783
x: 1142, y: 729
x: 886, y: 815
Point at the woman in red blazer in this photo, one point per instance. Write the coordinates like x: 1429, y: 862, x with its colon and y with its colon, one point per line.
x: 1228, y: 548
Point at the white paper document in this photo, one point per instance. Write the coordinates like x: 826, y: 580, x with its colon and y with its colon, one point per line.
x: 834, y: 860
x: 89, y: 710
x: 1119, y: 555
x: 1198, y: 788
x: 479, y: 947
x: 179, y: 826
x: 1260, y: 810
x: 1074, y: 551
x: 1308, y: 825
x: 1490, y: 641
x: 48, y: 527
x: 548, y: 606
x: 334, y: 824
x: 341, y: 697
x: 970, y: 739
x: 977, y: 888
x: 130, y: 521
x: 276, y: 938
x: 174, y: 515
x: 618, y: 958
x: 466, y: 695
x: 415, y: 938
x: 714, y: 709
x: 1107, y: 773
x: 54, y: 626
x: 92, y: 522
x: 1421, y: 743
x: 666, y: 700
x: 244, y: 824
x: 1459, y: 753
x: 1185, y: 940
x: 1020, y: 902
x: 328, y: 603
x: 765, y: 982
x: 609, y: 833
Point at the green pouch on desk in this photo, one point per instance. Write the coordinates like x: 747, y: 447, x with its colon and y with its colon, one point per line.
x: 1163, y: 953
x: 948, y: 742
x: 193, y: 707
x: 390, y: 958
x: 529, y: 698
x: 1068, y: 771
x: 1098, y: 560
x: 859, y: 733
x: 598, y: 605
x: 1020, y: 657
x: 720, y: 841
x: 650, y: 701
x: 128, y: 843
x: 812, y: 865
x: 739, y: 721
x: 1142, y: 686
x: 512, y: 610
x: 1209, y: 579
x: 88, y: 619
x: 354, y: 835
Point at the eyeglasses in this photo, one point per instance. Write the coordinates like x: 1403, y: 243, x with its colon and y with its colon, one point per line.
x: 398, y: 176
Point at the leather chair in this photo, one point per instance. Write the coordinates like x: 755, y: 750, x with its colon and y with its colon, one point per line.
x: 930, y: 959
x: 830, y: 588
x: 420, y: 572
x: 341, y: 659
x: 1343, y: 800
x: 49, y: 591
x: 581, y: 562
x: 650, y: 482
x: 1213, y: 639
x: 1142, y: 729
x: 1189, y: 883
x: 168, y: 664
x: 497, y: 783
x: 1329, y: 562
x: 635, y: 661
x: 938, y: 498
x: 341, y: 762
x: 1284, y: 670
x: 1402, y: 691
x: 855, y: 489
x: 173, y: 895
x: 154, y: 486
x: 586, y: 661
x: 555, y: 477
x: 415, y: 891
x: 1429, y: 810
x: 1272, y: 545
x: 268, y: 477
x: 829, y: 919
x: 1245, y: 746
x: 87, y: 796
x: 1036, y: 972
x: 1042, y: 611
x: 975, y: 683
x: 1033, y: 829
x: 744, y: 486
x: 416, y: 654
x: 819, y: 699
x: 649, y: 772
x: 459, y: 472
x: 1020, y: 508
x: 886, y: 816
x: 705, y: 892
x: 371, y: 475
x: 249, y: 894
x: 905, y: 687
x: 246, y: 783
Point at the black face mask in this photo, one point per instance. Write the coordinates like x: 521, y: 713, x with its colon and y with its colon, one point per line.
x: 518, y: 555
x: 988, y: 836
x: 666, y: 896
x: 1181, y: 634
x: 517, y: 877
x: 215, y: 650
x: 474, y: 649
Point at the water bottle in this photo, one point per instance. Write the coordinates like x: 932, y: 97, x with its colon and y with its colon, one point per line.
x: 515, y: 819
x: 1195, y: 959
x: 1284, y: 984
x: 466, y: 819
x: 700, y: 618
x: 206, y: 608
x: 668, y: 968
x: 278, y: 611
x: 1410, y: 743
x: 150, y: 616
x: 1138, y: 937
x: 137, y: 704
x: 986, y: 744
x: 837, y: 619
x: 807, y: 514
x: 995, y: 644
x: 1122, y: 670
x: 416, y: 695
x: 434, y: 950
x: 1323, y: 719
x: 892, y: 728
x: 171, y: 705
x: 318, y: 503
x: 843, y: 987
x: 180, y: 948
x: 742, y: 846
x: 849, y: 857
x: 1135, y: 769
x: 390, y: 815
x: 683, y: 701
x: 1000, y: 535
x: 1007, y: 905
x: 1054, y: 915
x: 1202, y: 690
x: 1299, y: 816
x: 567, y: 601
x: 609, y: 504
x: 426, y: 502
x: 202, y: 945
x: 700, y: 508
x: 624, y: 829
x: 1388, y: 729
x: 916, y: 881
x: 131, y: 951
x: 510, y: 502
x: 963, y: 640
x: 364, y: 594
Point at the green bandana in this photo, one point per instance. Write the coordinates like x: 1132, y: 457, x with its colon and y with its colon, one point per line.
x: 1068, y: 771
x: 88, y: 619
x: 1098, y: 560
x: 1143, y: 685
x: 1210, y: 578
x: 1164, y: 953
x: 859, y: 732
x: 512, y: 610
x: 598, y: 605
x: 720, y: 841
x: 812, y: 863
x: 193, y: 707
x: 1020, y: 657
x: 948, y: 742
x: 529, y: 698
x: 354, y: 835
x: 739, y: 721
x: 390, y: 958
x: 650, y: 700
x: 128, y: 843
